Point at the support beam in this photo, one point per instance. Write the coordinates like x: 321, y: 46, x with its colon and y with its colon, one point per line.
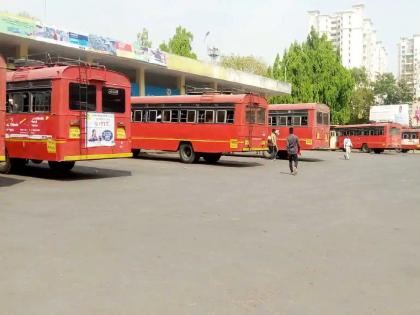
x: 214, y: 86
x: 141, y: 81
x: 181, y: 84
x: 22, y: 50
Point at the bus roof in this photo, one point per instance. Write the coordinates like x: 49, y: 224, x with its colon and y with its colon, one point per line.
x: 365, y: 125
x: 204, y: 98
x: 407, y: 129
x: 299, y: 106
x: 66, y: 72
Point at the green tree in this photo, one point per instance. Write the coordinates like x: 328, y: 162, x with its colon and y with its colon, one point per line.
x: 143, y: 38
x: 180, y: 44
x: 245, y: 63
x: 314, y: 69
x: 388, y: 91
x: 362, y: 97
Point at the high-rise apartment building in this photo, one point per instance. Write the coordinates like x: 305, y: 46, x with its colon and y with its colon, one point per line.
x: 353, y: 35
x: 409, y: 63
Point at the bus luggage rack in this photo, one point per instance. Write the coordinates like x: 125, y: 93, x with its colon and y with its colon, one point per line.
x: 48, y: 60
x: 193, y: 90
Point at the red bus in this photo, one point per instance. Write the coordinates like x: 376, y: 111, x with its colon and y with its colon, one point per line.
x: 2, y: 106
x: 63, y: 113
x: 311, y: 123
x: 376, y: 137
x: 199, y: 125
x: 410, y: 139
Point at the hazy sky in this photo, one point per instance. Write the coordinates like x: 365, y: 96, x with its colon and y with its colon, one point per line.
x: 262, y: 28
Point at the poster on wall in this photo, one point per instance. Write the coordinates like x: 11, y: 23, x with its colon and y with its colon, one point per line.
x: 415, y: 115
x: 390, y: 113
x: 100, y: 130
x: 124, y: 50
x: 150, y: 55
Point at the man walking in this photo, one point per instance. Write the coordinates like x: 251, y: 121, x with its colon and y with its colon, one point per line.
x: 347, y: 147
x: 293, y: 149
x: 273, y: 144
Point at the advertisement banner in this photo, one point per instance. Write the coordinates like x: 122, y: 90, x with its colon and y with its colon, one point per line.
x: 102, y: 44
x: 150, y: 55
x: 125, y: 50
x: 100, y: 130
x: 17, y: 25
x: 415, y: 115
x: 390, y: 113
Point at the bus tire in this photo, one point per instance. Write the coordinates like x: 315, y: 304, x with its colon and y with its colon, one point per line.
x: 404, y: 150
x: 212, y: 157
x: 36, y: 161
x: 6, y: 166
x: 61, y: 166
x: 378, y: 151
x: 12, y: 165
x: 187, y: 154
x: 365, y: 148
x: 136, y: 152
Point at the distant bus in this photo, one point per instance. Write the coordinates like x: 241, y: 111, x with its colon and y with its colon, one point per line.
x: 66, y: 113
x: 311, y: 123
x: 410, y: 139
x: 197, y: 126
x: 2, y: 107
x: 376, y: 137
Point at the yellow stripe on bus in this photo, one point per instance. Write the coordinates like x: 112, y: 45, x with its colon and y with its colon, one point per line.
x: 34, y: 140
x: 175, y: 139
x: 97, y: 156
x: 2, y: 158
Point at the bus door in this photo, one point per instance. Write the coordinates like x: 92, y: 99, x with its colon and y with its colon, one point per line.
x: 333, y: 140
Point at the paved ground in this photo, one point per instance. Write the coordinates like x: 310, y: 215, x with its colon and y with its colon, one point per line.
x: 154, y: 236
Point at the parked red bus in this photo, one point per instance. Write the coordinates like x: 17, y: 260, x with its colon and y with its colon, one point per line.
x: 311, y: 123
x: 410, y: 139
x: 62, y: 113
x: 199, y: 125
x: 2, y: 106
x: 376, y: 137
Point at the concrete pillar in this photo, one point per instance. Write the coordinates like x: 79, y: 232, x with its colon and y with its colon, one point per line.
x: 22, y: 50
x: 141, y: 81
x: 181, y: 84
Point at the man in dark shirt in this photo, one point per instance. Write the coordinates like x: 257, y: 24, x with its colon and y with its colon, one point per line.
x: 293, y: 149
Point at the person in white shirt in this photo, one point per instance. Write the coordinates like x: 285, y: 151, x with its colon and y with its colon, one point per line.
x: 347, y: 147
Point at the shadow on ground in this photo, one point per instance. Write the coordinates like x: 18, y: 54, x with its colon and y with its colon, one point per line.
x: 175, y: 158
x: 76, y: 174
x: 9, y: 181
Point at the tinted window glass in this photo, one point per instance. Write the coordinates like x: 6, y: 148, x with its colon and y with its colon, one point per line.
x: 113, y: 100
x: 82, y: 97
x: 261, y: 116
x: 41, y: 101
x: 230, y: 116
x: 18, y: 102
x: 395, y: 131
x: 221, y: 116
x: 319, y: 118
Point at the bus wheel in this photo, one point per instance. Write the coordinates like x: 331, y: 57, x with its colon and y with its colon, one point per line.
x: 212, y: 157
x: 61, y: 166
x: 365, y: 148
x: 404, y: 150
x: 6, y: 166
x: 36, y: 161
x: 135, y: 152
x: 187, y: 154
x: 378, y: 151
x: 12, y: 165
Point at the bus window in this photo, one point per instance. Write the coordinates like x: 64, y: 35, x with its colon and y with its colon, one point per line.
x: 413, y: 136
x: 174, y: 116
x: 405, y: 136
x: 18, y: 102
x: 304, y: 121
x: 183, y: 115
x: 296, y: 121
x: 201, y: 116
x: 152, y: 115
x: 230, y: 117
x: 282, y: 121
x: 209, y: 116
x: 41, y: 101
x: 261, y: 116
x: 137, y: 115
x: 166, y: 116
x: 221, y: 117
x: 113, y: 100
x: 319, y: 118
x: 78, y: 97
x: 250, y: 115
x: 191, y: 116
x: 394, y: 131
x: 325, y: 119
